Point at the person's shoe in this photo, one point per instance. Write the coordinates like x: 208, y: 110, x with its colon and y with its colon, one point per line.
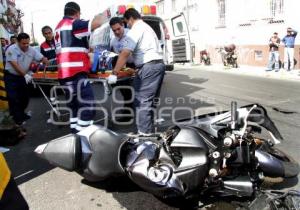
x: 269, y: 69
x: 276, y: 70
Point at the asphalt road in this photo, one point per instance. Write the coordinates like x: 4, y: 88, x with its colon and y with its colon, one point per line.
x: 46, y: 187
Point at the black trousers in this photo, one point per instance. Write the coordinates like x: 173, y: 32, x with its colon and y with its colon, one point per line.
x: 126, y: 92
x: 17, y: 95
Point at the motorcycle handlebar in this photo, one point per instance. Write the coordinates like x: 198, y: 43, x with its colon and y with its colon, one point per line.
x: 233, y: 115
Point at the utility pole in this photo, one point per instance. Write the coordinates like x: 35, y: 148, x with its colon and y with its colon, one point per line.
x: 187, y: 12
x: 32, y: 32
x: 32, y: 24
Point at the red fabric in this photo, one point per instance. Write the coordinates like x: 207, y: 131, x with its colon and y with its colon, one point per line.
x: 65, y: 72
x: 81, y: 31
x: 64, y: 22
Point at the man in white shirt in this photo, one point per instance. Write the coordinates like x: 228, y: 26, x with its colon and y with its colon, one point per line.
x: 142, y: 43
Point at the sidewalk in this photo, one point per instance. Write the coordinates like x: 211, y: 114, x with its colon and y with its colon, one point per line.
x: 247, y: 70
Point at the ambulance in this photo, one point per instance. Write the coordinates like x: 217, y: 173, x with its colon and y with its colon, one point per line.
x: 101, y: 36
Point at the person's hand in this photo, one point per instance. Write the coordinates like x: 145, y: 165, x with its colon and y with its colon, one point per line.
x: 114, y: 72
x: 45, y: 61
x: 28, y: 78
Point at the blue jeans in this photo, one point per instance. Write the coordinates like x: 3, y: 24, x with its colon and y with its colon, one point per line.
x: 273, y: 57
x: 147, y: 84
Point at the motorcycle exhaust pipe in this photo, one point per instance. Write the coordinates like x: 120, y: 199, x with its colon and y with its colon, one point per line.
x: 241, y: 186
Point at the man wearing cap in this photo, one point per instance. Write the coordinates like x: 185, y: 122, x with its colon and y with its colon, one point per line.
x: 274, y: 43
x: 72, y: 47
x: 142, y: 43
x: 289, y: 44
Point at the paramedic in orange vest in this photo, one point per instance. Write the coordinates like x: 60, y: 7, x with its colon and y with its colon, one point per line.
x: 71, y: 43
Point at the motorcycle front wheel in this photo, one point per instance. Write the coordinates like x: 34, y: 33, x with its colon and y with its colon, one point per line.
x: 275, y: 163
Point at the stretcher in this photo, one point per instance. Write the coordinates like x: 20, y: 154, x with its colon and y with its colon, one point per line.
x: 50, y: 78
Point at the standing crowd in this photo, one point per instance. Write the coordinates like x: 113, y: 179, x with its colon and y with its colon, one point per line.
x: 289, y: 45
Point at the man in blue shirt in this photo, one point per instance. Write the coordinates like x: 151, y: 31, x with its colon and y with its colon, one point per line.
x: 17, y: 75
x: 289, y: 44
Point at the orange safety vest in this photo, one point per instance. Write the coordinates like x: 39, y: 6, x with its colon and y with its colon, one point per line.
x: 4, y: 174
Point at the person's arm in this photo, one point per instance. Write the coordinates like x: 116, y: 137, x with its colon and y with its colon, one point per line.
x: 42, y: 51
x: 129, y: 44
x: 278, y: 42
x: 122, y: 59
x: 11, y: 57
x: 270, y: 42
x: 295, y: 33
x: 40, y: 58
x: 97, y: 22
x: 17, y: 68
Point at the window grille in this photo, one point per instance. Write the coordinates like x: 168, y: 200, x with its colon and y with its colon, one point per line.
x: 276, y: 7
x: 221, y: 13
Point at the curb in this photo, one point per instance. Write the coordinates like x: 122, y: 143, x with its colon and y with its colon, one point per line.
x: 293, y: 75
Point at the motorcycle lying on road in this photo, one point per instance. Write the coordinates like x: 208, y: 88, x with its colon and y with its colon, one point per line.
x: 219, y: 154
x: 229, y: 56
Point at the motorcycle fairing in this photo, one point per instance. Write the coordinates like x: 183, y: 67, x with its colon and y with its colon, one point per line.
x: 93, y: 152
x: 64, y: 152
x: 145, y: 169
x: 151, y: 167
x: 212, y: 123
x: 105, y: 146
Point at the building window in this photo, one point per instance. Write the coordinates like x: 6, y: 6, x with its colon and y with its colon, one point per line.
x: 174, y: 5
x: 221, y: 13
x: 276, y: 7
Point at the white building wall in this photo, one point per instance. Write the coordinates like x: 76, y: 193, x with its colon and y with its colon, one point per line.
x: 246, y: 22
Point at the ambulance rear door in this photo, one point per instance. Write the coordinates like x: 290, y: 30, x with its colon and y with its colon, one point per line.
x: 181, y: 43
